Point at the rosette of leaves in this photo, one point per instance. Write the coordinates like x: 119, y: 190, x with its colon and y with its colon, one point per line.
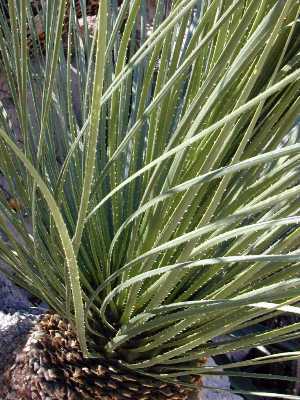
x: 162, y: 190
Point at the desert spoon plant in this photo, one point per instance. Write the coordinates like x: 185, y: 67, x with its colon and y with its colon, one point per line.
x: 163, y: 198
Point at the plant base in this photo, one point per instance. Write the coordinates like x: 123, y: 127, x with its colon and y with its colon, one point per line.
x: 51, y: 367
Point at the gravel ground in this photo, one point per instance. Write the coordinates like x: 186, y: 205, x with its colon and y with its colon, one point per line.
x: 17, y: 316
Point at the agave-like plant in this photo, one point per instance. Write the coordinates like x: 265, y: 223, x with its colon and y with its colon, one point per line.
x: 161, y: 187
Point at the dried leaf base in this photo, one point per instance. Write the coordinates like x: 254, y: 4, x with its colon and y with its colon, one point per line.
x: 51, y: 367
